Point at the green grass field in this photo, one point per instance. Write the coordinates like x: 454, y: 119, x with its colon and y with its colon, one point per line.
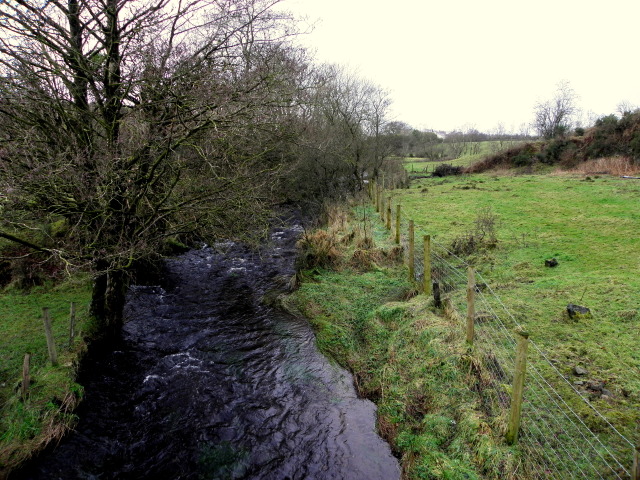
x: 588, y: 225
x: 26, y: 426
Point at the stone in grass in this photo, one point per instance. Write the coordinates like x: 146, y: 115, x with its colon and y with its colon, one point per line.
x: 576, y: 312
x: 580, y: 371
x: 551, y: 263
x: 596, y: 386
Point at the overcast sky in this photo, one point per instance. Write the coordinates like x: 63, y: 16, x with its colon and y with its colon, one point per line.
x: 454, y: 63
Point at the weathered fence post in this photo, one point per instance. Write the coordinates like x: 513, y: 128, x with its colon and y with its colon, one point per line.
x: 389, y: 213
x: 398, y: 211
x: 518, y: 388
x: 26, y: 377
x: 377, y: 198
x: 383, y: 208
x: 635, y: 473
x: 72, y: 323
x: 427, y: 265
x: 471, y: 304
x: 51, y: 345
x: 412, y: 272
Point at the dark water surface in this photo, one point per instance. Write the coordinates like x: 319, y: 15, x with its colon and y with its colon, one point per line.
x: 207, y: 382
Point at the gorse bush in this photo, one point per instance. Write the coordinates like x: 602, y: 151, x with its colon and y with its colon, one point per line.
x: 444, y: 170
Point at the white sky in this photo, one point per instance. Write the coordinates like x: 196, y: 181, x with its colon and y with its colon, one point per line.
x: 454, y: 63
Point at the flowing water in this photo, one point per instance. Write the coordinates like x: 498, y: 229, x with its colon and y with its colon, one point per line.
x: 209, y: 382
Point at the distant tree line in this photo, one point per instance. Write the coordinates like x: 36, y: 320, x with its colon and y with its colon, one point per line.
x: 402, y: 140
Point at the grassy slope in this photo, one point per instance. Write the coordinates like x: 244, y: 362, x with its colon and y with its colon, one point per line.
x: 410, y: 361
x: 26, y: 426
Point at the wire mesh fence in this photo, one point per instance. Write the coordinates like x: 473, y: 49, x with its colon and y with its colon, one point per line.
x: 562, y: 433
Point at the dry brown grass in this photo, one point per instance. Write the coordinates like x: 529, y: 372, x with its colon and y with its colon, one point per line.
x: 318, y: 249
x: 365, y: 242
x: 335, y: 216
x: 618, y: 166
x: 364, y: 260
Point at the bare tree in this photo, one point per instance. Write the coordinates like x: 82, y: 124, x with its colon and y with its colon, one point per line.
x: 134, y: 120
x: 554, y: 117
x: 626, y: 107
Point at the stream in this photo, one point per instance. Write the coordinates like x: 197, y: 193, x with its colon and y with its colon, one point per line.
x: 206, y: 381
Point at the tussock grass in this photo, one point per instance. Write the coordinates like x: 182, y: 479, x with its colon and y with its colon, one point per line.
x: 607, y: 166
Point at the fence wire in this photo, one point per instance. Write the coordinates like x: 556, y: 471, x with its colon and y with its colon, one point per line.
x: 556, y: 438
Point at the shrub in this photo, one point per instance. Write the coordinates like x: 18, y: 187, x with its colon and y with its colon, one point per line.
x: 482, y: 236
x: 318, y: 249
x: 554, y: 150
x: 523, y: 159
x: 445, y: 169
x: 608, y: 122
x: 520, y: 155
x: 634, y: 146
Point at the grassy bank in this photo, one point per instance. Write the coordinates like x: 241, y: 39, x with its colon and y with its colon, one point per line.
x: 411, y: 361
x: 26, y: 426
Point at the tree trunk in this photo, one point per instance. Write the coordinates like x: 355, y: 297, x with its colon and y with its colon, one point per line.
x: 114, y: 300
x: 108, y: 297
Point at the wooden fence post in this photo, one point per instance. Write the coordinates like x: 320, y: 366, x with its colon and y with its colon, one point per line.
x: 26, y: 377
x: 518, y: 388
x: 51, y: 344
x: 635, y: 474
x: 411, y: 252
x: 72, y: 323
x: 377, y: 198
x: 398, y: 211
x: 389, y: 214
x: 471, y: 304
x: 427, y: 265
